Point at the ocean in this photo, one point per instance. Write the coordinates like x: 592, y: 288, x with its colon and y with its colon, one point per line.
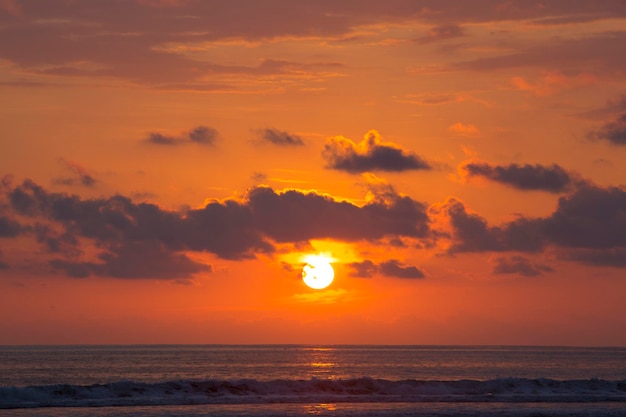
x: 299, y: 380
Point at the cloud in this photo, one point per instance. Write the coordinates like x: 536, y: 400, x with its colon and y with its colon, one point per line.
x: 613, y: 132
x: 589, y: 222
x: 464, y: 129
x: 554, y: 82
x: 201, y: 135
x: 279, y: 138
x: 471, y: 231
x: 525, y: 177
x: 371, y: 154
x: 126, y: 39
x: 57, y: 242
x: 3, y: 265
x: 519, y: 265
x: 364, y: 269
x: 160, y: 139
x: 592, y: 217
x: 135, y: 260
x: 126, y: 232
x: 433, y: 99
x: 9, y: 227
x: 592, y: 55
x: 115, y: 236
x: 100, y: 40
x: 391, y: 268
x: 613, y: 257
x: 164, y: 3
x: 294, y: 216
x: 441, y: 33
x: 80, y: 175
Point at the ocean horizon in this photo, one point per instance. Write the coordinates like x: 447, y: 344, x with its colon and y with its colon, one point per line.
x: 294, y: 380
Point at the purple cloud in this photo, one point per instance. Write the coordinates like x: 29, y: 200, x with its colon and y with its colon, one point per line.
x: 526, y: 177
x: 519, y: 265
x: 371, y: 154
x: 391, y: 268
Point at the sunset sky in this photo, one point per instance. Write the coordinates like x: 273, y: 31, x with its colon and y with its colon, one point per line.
x: 166, y: 165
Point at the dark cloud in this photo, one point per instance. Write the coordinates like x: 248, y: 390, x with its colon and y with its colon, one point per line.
x: 371, y: 154
x: 596, y: 54
x: 160, y: 139
x: 278, y: 137
x: 613, y: 132
x: 592, y: 219
x: 614, y: 257
x: 396, y: 242
x: 550, y: 178
x: 135, y: 260
x: 80, y: 175
x: 57, y: 242
x: 391, y: 268
x: 9, y: 227
x: 522, y: 234
x: 519, y: 265
x: 227, y: 229
x: 471, y: 231
x: 440, y: 33
x: 124, y: 230
x: 364, y: 269
x: 588, y: 224
x: 202, y: 135
x: 293, y: 216
x: 72, y: 268
x: 126, y: 39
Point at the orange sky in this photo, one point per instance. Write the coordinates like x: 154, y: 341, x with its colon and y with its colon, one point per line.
x: 167, y: 164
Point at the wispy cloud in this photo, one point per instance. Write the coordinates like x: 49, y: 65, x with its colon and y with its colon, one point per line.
x: 201, y: 135
x: 278, y: 137
x: 613, y: 132
x: 441, y: 33
x: 519, y: 265
x: 390, y: 268
x: 80, y: 175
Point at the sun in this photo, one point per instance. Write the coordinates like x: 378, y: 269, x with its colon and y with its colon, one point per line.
x: 317, y: 272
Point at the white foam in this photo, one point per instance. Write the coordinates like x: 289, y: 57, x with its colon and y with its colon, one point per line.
x: 353, y: 390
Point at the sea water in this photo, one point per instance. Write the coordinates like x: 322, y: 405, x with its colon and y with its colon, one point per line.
x: 294, y: 380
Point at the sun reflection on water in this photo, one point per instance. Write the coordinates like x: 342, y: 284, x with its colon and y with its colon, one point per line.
x: 322, y: 362
x: 318, y: 409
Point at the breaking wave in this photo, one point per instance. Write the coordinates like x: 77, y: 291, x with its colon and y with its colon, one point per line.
x: 355, y: 390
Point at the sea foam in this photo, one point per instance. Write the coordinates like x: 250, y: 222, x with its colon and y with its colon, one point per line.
x: 247, y: 391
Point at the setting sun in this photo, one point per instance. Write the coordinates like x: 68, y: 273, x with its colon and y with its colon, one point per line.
x: 317, y: 273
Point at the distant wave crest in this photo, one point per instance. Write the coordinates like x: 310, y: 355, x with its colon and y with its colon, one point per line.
x: 130, y: 393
